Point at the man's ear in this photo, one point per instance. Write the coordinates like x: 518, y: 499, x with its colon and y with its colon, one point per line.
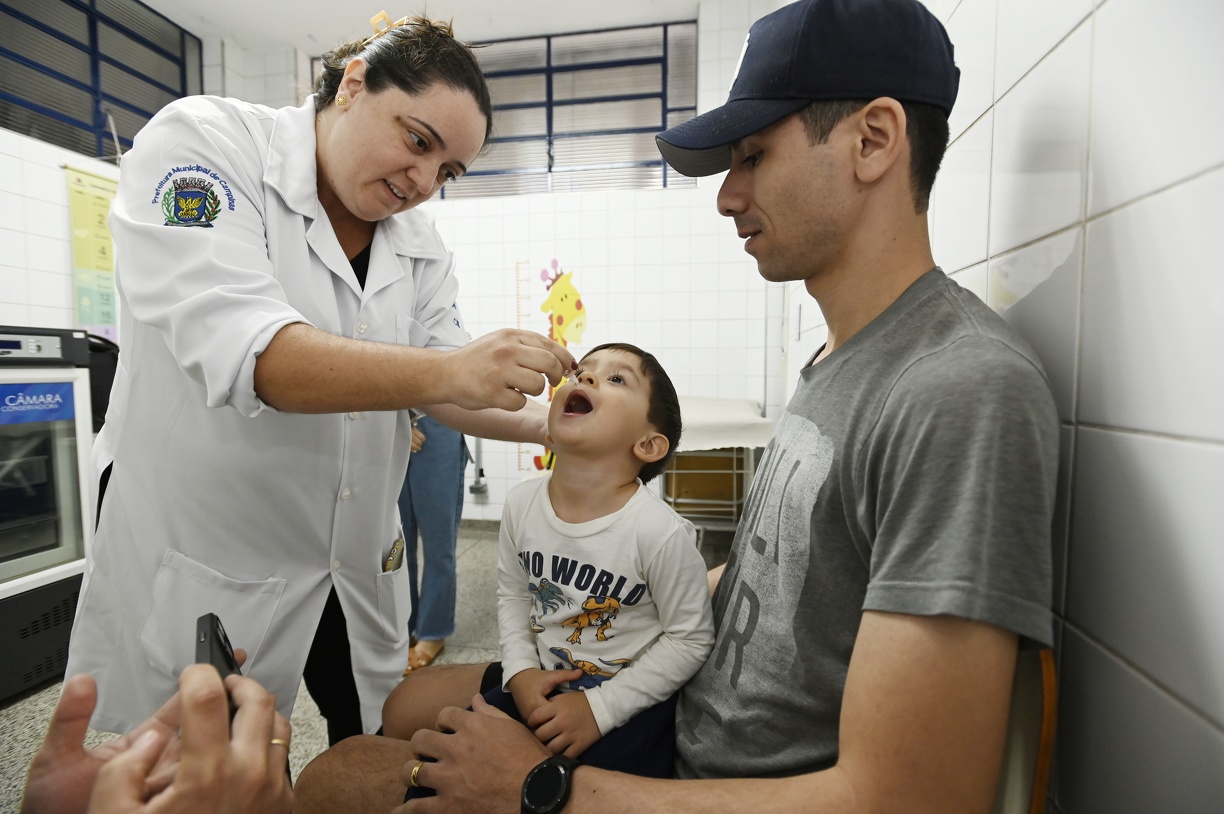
x: 881, y: 138
x: 651, y: 447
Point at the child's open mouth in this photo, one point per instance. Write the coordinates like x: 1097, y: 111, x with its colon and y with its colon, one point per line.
x: 577, y: 403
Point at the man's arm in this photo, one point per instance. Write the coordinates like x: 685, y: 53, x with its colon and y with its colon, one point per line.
x: 306, y: 370
x: 922, y: 730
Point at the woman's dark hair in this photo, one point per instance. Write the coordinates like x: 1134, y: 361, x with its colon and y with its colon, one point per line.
x: 663, y: 412
x: 926, y: 127
x: 413, y: 57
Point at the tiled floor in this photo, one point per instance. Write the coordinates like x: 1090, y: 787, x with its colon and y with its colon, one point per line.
x: 23, y: 720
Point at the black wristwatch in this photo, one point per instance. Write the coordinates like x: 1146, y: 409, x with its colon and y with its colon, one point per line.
x: 547, y: 787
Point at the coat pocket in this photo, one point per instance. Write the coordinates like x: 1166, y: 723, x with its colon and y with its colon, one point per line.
x: 183, y: 591
x: 394, y: 601
x: 410, y: 332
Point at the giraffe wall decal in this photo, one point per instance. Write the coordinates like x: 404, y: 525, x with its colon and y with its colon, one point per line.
x: 567, y: 321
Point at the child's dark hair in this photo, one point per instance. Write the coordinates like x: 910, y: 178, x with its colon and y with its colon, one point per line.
x: 664, y: 410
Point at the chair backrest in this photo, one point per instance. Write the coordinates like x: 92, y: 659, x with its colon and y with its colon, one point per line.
x: 1025, y: 778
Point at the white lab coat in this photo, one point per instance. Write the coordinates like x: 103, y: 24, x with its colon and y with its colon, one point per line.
x: 218, y: 502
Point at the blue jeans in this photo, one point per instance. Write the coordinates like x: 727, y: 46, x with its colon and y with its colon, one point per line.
x: 431, y: 502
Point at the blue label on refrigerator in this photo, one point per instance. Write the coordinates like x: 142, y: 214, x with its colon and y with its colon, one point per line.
x: 36, y: 402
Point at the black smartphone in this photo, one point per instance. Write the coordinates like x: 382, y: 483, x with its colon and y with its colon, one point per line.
x: 213, y: 647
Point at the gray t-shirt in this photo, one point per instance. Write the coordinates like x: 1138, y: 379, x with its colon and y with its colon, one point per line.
x: 913, y: 472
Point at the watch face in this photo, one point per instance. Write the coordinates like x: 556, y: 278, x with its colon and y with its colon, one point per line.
x: 544, y: 788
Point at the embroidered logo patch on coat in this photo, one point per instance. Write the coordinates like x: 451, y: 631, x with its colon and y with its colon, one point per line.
x: 190, y: 202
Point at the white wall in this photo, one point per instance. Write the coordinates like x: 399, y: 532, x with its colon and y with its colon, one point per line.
x: 35, y: 255
x: 35, y: 247
x: 274, y: 76
x: 658, y: 268
x: 1081, y: 198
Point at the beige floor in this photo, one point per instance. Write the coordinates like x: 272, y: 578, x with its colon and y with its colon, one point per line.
x: 23, y: 721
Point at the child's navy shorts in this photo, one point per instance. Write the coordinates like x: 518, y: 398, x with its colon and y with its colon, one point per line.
x: 644, y: 745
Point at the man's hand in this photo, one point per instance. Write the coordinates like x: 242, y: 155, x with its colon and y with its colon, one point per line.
x: 478, y: 762
x: 238, y: 773
x: 418, y: 438
x: 62, y: 774
x: 150, y: 769
x: 531, y: 688
x: 502, y: 368
x: 565, y: 724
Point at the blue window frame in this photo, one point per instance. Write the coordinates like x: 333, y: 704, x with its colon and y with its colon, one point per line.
x: 580, y: 111
x: 83, y: 73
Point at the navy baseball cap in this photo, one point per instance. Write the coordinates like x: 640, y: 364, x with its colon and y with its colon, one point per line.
x: 819, y: 49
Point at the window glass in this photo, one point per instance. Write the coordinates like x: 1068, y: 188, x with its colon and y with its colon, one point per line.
x: 612, y: 81
x: 602, y: 46
x: 49, y: 50
x: 145, y: 23
x: 580, y: 111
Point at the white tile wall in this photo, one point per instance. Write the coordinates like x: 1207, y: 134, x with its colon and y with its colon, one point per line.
x: 972, y: 31
x: 10, y: 173
x: 960, y: 205
x: 12, y: 210
x: 1154, y: 314
x: 1041, y: 147
x: 704, y: 313
x: 1028, y: 31
x: 1169, y: 53
x: 1098, y: 245
x: 974, y: 279
x: 1125, y: 747
x: 1145, y: 564
x: 13, y: 287
x: 277, y: 77
x: 35, y: 249
x: 1037, y: 290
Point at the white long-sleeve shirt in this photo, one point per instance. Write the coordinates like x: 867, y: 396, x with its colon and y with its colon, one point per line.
x: 624, y: 596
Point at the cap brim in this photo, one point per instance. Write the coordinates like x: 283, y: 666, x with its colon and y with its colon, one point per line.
x: 702, y: 145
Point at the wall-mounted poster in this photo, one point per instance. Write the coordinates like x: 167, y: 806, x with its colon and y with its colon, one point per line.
x: 93, y: 252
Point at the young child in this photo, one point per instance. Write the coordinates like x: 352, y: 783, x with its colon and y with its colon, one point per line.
x: 603, y: 601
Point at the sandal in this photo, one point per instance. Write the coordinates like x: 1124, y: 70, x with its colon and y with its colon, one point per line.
x: 418, y: 658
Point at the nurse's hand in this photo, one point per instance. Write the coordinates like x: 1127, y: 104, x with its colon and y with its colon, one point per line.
x: 502, y: 368
x: 218, y: 770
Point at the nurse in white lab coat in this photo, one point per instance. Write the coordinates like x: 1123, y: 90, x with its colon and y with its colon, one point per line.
x: 282, y: 306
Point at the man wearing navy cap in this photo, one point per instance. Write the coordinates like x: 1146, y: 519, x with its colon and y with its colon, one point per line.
x: 895, y: 547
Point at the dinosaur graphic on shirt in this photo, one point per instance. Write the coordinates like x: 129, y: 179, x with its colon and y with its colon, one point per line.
x: 594, y: 674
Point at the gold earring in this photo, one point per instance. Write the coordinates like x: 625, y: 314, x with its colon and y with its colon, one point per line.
x: 340, y: 100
